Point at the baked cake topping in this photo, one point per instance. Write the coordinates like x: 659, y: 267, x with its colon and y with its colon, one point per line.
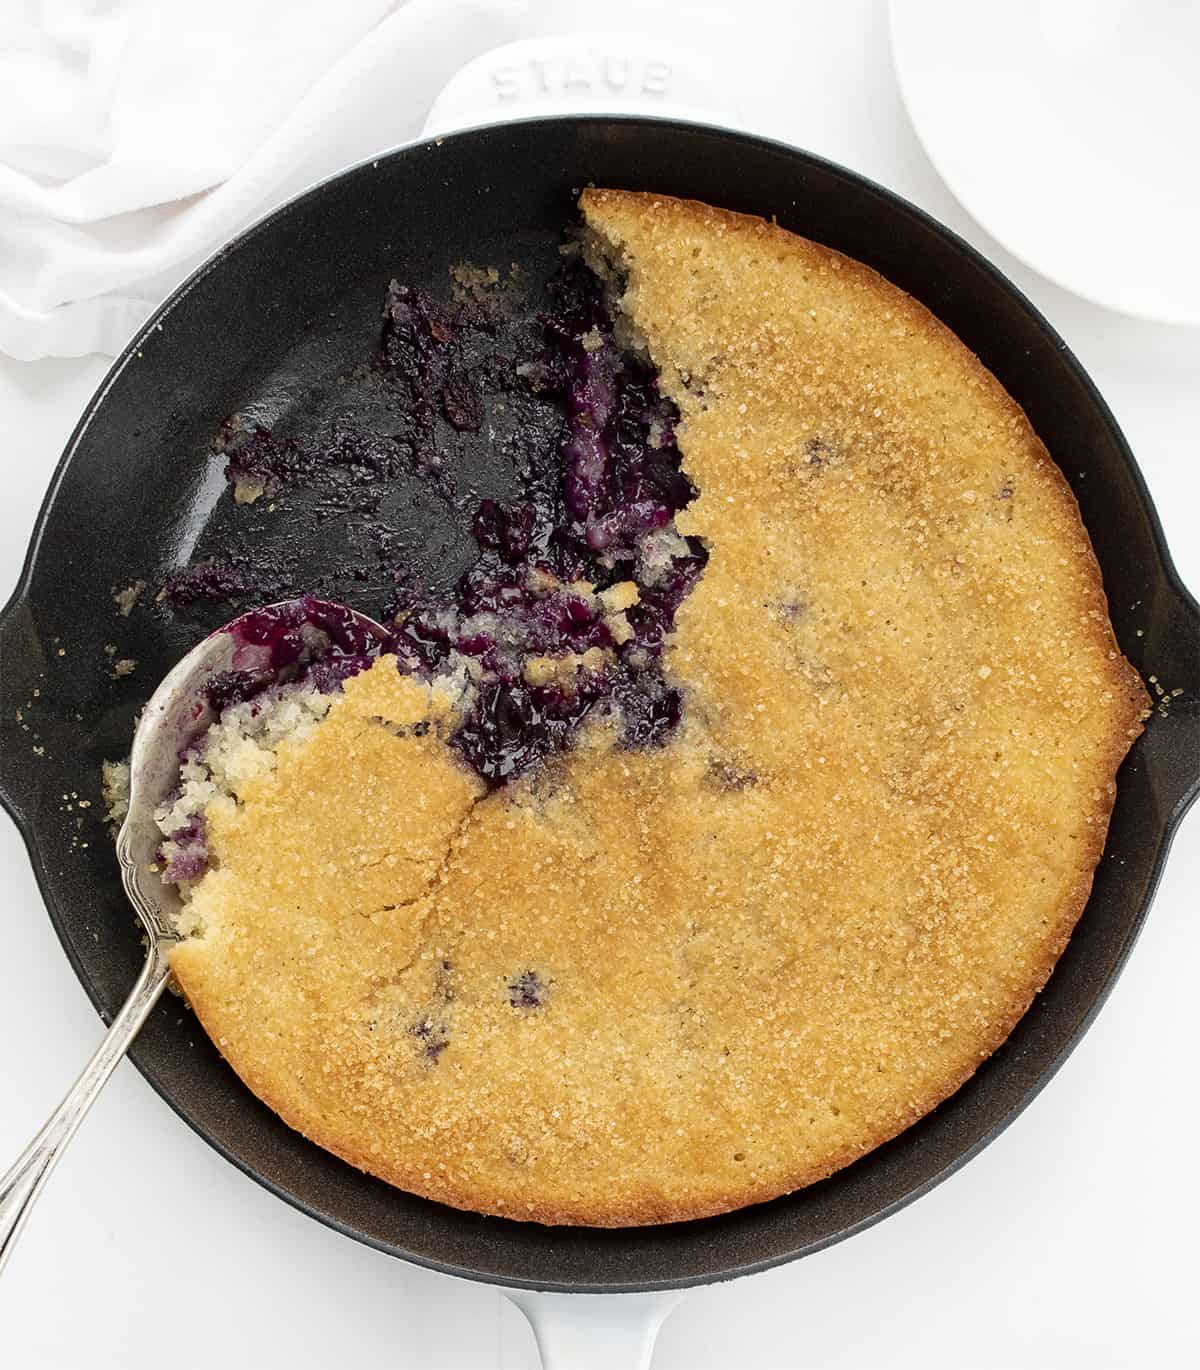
x: 736, y: 804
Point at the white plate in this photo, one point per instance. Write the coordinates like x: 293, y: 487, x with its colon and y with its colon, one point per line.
x: 1071, y: 130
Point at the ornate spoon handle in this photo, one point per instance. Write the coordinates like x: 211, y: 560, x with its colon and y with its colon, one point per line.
x: 22, y: 1184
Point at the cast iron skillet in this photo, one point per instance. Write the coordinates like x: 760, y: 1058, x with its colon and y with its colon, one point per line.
x: 266, y: 327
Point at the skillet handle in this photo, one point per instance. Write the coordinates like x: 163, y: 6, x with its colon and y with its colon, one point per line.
x: 595, y: 1331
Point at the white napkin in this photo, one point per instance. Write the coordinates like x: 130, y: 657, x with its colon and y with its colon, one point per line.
x: 137, y: 135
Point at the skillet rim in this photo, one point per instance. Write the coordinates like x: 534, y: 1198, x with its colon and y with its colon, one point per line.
x: 894, y: 203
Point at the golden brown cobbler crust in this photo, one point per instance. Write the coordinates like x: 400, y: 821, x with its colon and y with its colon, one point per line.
x: 777, y: 942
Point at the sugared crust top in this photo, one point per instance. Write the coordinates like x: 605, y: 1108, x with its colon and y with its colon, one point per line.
x: 765, y: 949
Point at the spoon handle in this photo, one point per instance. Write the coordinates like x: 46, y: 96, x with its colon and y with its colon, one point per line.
x: 24, y: 1181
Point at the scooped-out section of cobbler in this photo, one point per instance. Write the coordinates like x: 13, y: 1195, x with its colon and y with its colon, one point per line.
x: 577, y: 582
x: 563, y: 616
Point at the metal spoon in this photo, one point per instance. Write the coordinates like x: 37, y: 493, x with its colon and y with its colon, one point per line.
x: 177, y: 712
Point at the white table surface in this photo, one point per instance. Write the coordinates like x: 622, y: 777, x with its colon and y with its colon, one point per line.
x: 1068, y: 1243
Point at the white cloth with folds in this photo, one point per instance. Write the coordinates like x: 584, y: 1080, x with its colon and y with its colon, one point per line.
x: 138, y: 135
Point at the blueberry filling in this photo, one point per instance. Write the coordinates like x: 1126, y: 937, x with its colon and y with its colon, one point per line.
x: 595, y: 512
x: 208, y: 582
x: 259, y: 463
x: 421, y: 352
x: 528, y: 990
x: 421, y: 359
x: 232, y: 687
x: 306, y: 642
x: 184, y: 855
x: 433, y: 1037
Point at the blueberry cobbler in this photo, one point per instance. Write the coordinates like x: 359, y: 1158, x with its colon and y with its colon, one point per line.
x: 733, y: 805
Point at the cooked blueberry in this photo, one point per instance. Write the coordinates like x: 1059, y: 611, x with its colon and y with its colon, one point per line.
x: 512, y: 725
x: 415, y: 329
x: 433, y: 1035
x: 188, y: 865
x: 528, y: 990
x: 233, y: 687
x: 651, y: 711
x: 184, y: 853
x: 209, y: 582
x: 506, y: 528
x: 460, y: 401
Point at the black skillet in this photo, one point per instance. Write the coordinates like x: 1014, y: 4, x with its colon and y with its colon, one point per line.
x: 267, y: 328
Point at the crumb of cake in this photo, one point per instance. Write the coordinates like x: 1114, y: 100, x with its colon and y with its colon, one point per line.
x: 246, y: 491
x: 617, y: 598
x: 563, y: 670
x: 127, y: 599
x: 123, y: 666
x: 473, y: 282
x: 115, y: 790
